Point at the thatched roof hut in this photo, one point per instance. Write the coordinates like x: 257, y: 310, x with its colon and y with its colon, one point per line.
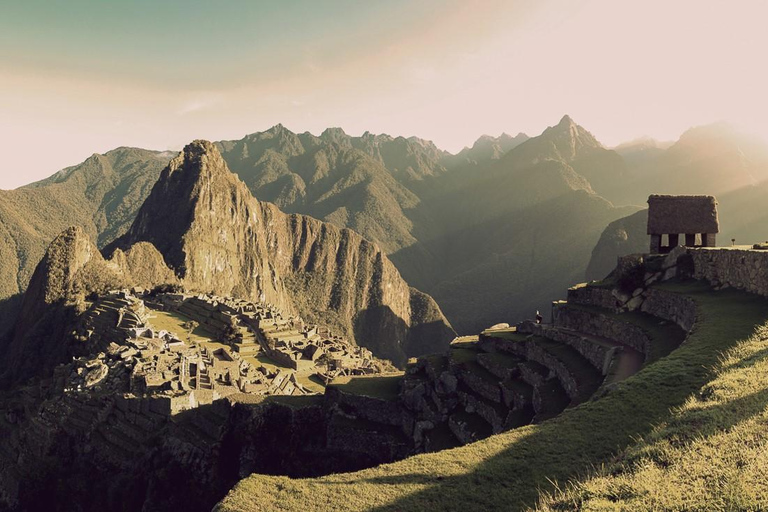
x: 682, y: 214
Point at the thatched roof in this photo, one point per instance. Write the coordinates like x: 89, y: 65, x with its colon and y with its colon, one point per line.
x: 682, y: 214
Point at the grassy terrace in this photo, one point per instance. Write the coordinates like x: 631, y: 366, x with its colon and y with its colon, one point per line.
x: 666, y: 336
x: 692, y: 398
x: 386, y: 387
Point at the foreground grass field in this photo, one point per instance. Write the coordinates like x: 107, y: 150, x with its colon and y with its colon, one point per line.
x: 681, y: 432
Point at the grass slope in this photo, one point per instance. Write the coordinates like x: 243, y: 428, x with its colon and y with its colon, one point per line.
x: 511, y: 471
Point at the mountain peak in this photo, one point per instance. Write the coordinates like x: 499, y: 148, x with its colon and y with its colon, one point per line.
x: 333, y: 133
x: 198, y: 156
x: 566, y: 121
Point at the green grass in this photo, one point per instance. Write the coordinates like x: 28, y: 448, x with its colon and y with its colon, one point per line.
x: 173, y: 321
x: 463, y: 355
x: 502, y: 359
x: 507, y: 335
x: 297, y: 402
x: 386, y: 387
x: 689, y: 398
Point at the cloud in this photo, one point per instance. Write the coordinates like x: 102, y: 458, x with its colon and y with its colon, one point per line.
x: 199, y: 103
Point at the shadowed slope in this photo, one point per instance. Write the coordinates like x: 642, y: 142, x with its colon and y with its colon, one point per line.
x: 508, y: 471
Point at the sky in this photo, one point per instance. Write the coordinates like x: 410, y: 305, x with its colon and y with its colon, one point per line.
x: 83, y: 77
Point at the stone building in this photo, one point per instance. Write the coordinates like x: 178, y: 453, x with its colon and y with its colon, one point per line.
x: 695, y: 217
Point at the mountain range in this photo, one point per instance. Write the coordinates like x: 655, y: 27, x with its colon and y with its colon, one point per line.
x: 200, y: 227
x: 477, y: 231
x: 713, y: 160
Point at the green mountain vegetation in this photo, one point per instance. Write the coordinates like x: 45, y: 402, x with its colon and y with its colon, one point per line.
x: 469, y: 229
x: 512, y: 197
x: 651, y: 443
x: 451, y: 224
x: 101, y: 195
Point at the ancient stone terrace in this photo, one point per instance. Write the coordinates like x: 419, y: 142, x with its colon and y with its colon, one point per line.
x: 511, y: 376
x: 179, y: 372
x: 288, y: 341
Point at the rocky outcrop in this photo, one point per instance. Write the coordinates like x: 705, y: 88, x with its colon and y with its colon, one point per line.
x: 218, y: 238
x: 71, y: 270
x: 621, y: 237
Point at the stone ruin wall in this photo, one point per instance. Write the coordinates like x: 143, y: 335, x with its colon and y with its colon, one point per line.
x: 674, y: 307
x: 596, y: 324
x: 744, y: 269
x: 599, y: 355
x: 593, y: 296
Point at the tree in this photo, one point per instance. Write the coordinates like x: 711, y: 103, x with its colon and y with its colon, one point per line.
x: 190, y: 326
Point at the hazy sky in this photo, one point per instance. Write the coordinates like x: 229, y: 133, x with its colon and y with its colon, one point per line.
x: 80, y: 77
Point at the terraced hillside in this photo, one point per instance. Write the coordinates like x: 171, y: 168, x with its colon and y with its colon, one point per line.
x: 665, y: 403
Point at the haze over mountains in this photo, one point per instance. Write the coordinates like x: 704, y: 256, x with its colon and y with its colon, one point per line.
x: 715, y: 160
x: 475, y: 230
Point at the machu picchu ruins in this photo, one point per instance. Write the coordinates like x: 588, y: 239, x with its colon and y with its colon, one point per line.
x: 361, y: 257
x: 236, y: 337
x: 213, y: 374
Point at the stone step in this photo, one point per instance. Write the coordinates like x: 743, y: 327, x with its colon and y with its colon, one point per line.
x: 242, y: 348
x: 576, y: 374
x: 440, y: 438
x: 590, y: 295
x: 516, y: 394
x: 603, y: 324
x: 597, y: 350
x: 519, y: 417
x: 494, y: 413
x: 436, y: 365
x: 501, y: 364
x: 112, y: 450
x: 549, y: 400
x: 189, y: 431
x: 481, y: 381
x: 469, y: 427
x: 533, y: 373
x: 116, y: 439
x: 211, y: 424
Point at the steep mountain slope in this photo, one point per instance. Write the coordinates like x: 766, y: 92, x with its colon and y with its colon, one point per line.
x: 218, y: 238
x: 505, y: 268
x: 406, y: 195
x: 366, y: 183
x: 528, y: 214
x: 624, y: 236
x: 101, y: 195
x: 488, y: 148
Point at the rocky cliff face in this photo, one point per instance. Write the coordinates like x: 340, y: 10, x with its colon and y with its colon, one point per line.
x: 218, y: 238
